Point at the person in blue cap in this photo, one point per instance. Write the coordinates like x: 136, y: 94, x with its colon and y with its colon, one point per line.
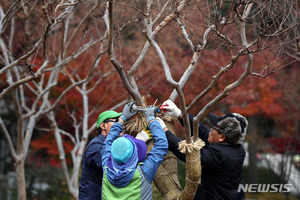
x: 127, y: 171
x: 90, y: 185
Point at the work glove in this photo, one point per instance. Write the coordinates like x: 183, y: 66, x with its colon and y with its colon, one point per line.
x: 144, y: 135
x: 128, y: 112
x: 161, y: 122
x: 170, y: 109
x: 151, y: 112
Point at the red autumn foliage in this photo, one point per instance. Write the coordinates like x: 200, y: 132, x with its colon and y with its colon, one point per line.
x: 46, y: 152
x: 283, y: 144
x: 260, y: 98
x: 255, y: 97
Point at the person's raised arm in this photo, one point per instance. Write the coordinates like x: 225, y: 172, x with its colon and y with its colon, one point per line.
x: 160, y: 148
x: 113, y: 134
x: 170, y: 109
x: 115, y: 131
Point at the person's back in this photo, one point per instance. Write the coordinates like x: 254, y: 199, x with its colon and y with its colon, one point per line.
x: 221, y: 179
x: 138, y: 187
x: 90, y: 185
x: 127, y: 173
x: 125, y: 180
x: 91, y: 176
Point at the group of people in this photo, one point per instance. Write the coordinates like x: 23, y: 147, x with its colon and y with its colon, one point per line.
x: 116, y: 165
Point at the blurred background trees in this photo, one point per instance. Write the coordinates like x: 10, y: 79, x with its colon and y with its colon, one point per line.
x: 56, y: 76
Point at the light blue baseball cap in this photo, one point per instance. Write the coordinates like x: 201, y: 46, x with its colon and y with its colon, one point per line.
x: 122, y: 150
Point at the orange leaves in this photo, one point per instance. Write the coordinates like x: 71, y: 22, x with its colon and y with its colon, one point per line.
x: 44, y: 146
x: 257, y: 97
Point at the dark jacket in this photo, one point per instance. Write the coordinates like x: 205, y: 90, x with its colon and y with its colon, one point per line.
x: 221, y: 166
x: 90, y: 186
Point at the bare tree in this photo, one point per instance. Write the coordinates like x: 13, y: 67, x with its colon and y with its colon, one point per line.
x: 41, y: 45
x: 70, y: 38
x: 287, y: 170
x: 245, y: 29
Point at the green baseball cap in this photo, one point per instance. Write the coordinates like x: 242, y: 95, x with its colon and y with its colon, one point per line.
x: 107, y: 115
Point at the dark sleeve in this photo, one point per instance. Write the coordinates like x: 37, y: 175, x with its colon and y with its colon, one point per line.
x: 173, y: 141
x: 211, y: 158
x: 203, y: 130
x: 93, y: 155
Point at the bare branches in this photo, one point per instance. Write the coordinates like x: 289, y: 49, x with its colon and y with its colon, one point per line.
x: 229, y: 87
x: 10, y: 143
x: 186, y: 75
x: 24, y: 57
x: 168, y: 19
x: 168, y: 75
x: 65, y: 44
x: 132, y: 91
x: 24, y: 80
x: 186, y: 36
x: 54, y: 40
x: 71, y: 39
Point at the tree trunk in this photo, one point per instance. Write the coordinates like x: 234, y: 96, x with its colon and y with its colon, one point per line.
x: 252, y: 150
x: 20, y: 171
x: 166, y: 178
x: 252, y: 168
x: 193, y: 175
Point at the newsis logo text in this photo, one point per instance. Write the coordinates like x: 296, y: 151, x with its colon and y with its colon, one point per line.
x: 276, y: 187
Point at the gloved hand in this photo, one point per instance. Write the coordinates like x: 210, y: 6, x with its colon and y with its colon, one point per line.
x: 161, y: 122
x: 170, y: 109
x: 151, y: 112
x: 127, y: 111
x: 144, y: 135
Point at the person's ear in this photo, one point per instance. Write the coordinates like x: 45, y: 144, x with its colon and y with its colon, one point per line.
x: 102, y: 126
x: 222, y: 138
